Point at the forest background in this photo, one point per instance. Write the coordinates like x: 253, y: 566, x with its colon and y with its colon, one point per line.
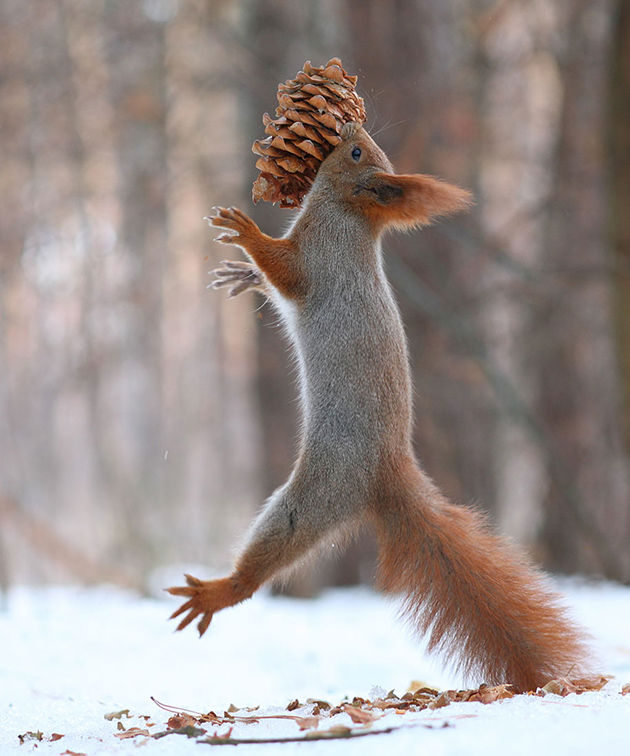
x: 143, y: 418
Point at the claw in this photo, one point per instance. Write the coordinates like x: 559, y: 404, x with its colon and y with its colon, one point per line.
x: 179, y: 590
x: 193, y: 614
x: 236, y: 265
x: 238, y: 289
x: 193, y: 582
x: 204, y: 624
x: 227, y: 238
x: 183, y: 608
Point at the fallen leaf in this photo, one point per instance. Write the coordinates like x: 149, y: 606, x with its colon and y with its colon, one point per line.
x: 444, y: 699
x: 31, y: 735
x: 625, y: 690
x: 560, y: 687
x: 189, y: 732
x: 209, y: 717
x: 324, y: 705
x: 55, y: 736
x: 584, y: 684
x: 132, y: 732
x: 72, y: 753
x: 117, y: 715
x: 178, y: 721
x: 359, y: 716
x: 487, y: 694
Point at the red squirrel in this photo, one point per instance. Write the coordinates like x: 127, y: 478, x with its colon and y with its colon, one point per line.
x: 478, y: 601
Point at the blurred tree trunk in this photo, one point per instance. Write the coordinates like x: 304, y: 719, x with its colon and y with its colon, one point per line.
x: 212, y: 470
x: 619, y: 158
x: 579, y: 391
x: 619, y: 161
x: 520, y: 98
x: 136, y: 59
x: 126, y: 410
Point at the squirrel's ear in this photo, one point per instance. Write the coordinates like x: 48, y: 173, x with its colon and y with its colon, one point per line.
x: 406, y: 201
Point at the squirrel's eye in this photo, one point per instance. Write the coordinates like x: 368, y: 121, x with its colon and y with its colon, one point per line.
x: 356, y: 154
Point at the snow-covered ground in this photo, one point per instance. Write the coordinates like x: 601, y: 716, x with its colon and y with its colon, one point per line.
x: 68, y: 656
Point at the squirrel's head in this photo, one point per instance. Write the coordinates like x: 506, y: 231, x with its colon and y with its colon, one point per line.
x: 354, y: 159
x: 358, y: 173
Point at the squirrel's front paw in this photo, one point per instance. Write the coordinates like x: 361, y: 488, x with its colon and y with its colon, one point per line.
x: 240, y: 276
x: 235, y: 220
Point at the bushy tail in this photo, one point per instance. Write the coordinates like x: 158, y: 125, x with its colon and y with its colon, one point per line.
x: 480, y: 604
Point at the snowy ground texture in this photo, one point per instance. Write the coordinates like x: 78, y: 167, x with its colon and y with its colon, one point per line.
x: 69, y: 656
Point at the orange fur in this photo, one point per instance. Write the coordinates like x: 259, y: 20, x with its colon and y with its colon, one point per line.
x: 478, y: 601
x: 207, y: 597
x: 276, y: 257
x: 406, y: 201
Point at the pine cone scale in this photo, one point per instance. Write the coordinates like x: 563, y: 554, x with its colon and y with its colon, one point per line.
x: 311, y: 110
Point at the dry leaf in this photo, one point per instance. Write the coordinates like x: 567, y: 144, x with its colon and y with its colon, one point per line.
x: 320, y: 703
x: 584, y: 684
x: 72, y: 753
x: 363, y: 711
x: 132, y: 732
x: 180, y: 720
x: 444, y: 699
x: 188, y: 731
x: 486, y: 694
x: 117, y: 715
x: 359, y: 716
x: 37, y: 735
x: 625, y: 690
x: 563, y: 687
x: 559, y: 687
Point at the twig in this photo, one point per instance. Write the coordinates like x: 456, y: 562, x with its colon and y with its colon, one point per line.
x: 335, y: 733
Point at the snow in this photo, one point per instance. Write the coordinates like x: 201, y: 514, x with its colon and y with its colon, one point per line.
x: 71, y: 655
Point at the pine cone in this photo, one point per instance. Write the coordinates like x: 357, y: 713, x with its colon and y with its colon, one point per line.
x: 312, y: 109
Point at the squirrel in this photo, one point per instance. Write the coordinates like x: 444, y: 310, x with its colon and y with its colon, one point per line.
x: 479, y: 602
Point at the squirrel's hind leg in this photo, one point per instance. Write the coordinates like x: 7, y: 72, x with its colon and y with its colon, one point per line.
x: 292, y: 524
